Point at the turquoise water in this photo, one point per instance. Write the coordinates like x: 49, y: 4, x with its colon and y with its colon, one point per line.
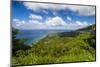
x: 34, y: 36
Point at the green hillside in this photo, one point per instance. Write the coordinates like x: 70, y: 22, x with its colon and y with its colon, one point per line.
x: 62, y: 47
x: 89, y: 28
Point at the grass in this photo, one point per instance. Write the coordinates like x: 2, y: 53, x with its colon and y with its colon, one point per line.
x: 56, y: 49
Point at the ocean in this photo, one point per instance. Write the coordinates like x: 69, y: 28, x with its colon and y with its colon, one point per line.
x: 34, y: 36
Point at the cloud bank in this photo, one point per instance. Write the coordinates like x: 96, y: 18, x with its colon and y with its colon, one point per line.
x: 37, y: 21
x: 50, y: 23
x: 35, y: 17
x: 81, y: 10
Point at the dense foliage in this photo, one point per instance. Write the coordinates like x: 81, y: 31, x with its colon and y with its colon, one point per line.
x: 62, y: 47
x: 17, y: 44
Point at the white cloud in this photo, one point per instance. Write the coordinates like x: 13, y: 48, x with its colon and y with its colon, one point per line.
x: 15, y: 20
x: 51, y: 23
x: 55, y: 13
x: 39, y: 6
x: 85, y: 23
x: 78, y: 23
x: 35, y: 17
x: 31, y: 24
x: 82, y: 23
x: 75, y: 25
x: 46, y: 12
x: 81, y: 10
x: 55, y: 21
x: 18, y: 22
x: 69, y: 18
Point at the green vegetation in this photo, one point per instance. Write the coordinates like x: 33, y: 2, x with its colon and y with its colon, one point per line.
x: 17, y: 44
x: 62, y: 47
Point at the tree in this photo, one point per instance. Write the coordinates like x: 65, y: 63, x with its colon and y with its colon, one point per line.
x: 17, y: 44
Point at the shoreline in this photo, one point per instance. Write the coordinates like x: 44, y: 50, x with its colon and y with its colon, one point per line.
x: 42, y: 37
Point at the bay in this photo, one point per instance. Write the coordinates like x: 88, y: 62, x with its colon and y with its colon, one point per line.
x: 34, y: 36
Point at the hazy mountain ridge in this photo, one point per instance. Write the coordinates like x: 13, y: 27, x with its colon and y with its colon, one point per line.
x: 90, y: 29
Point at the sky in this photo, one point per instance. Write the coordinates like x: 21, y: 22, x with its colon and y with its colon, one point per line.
x: 31, y: 15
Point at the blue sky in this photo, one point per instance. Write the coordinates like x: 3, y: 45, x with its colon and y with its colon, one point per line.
x: 30, y: 15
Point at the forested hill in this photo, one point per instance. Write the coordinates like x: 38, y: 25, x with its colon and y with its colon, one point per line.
x: 73, y: 46
x: 89, y: 28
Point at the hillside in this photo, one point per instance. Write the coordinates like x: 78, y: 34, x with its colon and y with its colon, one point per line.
x: 74, y: 46
x: 89, y: 28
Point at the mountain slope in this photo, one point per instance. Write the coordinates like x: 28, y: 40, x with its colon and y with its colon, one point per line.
x: 89, y: 28
x: 62, y: 47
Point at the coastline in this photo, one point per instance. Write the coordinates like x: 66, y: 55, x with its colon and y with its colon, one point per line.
x: 42, y: 37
